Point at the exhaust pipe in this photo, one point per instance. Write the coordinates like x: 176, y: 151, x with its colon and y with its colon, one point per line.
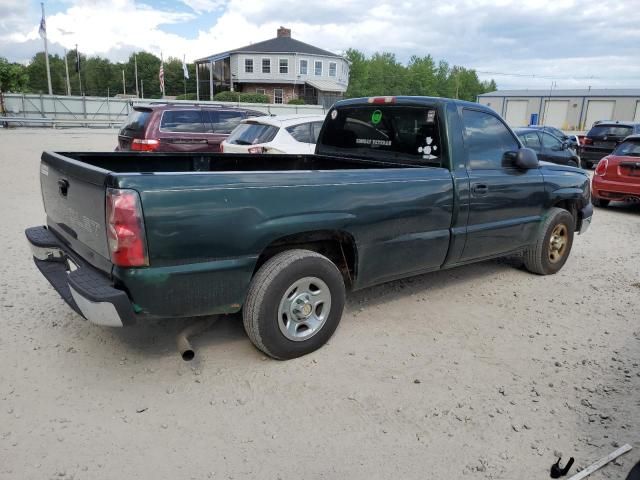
x: 182, y: 339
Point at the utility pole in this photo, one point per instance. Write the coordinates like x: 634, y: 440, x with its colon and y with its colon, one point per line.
x: 66, y: 69
x: 78, y: 69
x: 124, y: 87
x: 142, y: 87
x: 43, y: 33
x: 135, y: 63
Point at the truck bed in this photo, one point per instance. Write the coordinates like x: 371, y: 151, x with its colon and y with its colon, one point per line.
x: 126, y: 162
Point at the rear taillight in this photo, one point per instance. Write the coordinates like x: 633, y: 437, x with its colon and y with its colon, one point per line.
x: 257, y: 150
x: 379, y: 100
x: 587, y: 141
x: 125, y: 228
x: 144, y: 145
x: 602, y: 167
x: 221, y: 148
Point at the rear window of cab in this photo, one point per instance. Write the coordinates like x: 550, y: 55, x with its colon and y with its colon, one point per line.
x: 386, y: 132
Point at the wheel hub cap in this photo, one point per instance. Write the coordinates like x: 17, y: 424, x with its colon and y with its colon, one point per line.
x: 558, y: 243
x: 304, y: 308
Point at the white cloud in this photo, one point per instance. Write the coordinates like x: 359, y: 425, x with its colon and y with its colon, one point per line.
x: 200, y: 6
x: 591, y: 42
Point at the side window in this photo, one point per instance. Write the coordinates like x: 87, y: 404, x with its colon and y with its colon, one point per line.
x: 549, y: 141
x: 531, y: 140
x: 487, y: 140
x: 224, y: 122
x: 187, y: 121
x: 302, y: 132
x: 315, y: 131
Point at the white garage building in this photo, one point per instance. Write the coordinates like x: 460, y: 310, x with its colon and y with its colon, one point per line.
x: 570, y: 110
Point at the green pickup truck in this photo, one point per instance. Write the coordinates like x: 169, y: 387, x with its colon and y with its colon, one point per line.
x: 398, y: 186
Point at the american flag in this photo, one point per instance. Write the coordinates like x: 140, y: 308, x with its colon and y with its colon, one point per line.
x: 43, y: 27
x: 161, y: 76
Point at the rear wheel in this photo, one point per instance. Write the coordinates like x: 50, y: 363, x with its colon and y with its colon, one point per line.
x: 572, y: 163
x: 294, y: 304
x: 553, y: 243
x: 599, y: 202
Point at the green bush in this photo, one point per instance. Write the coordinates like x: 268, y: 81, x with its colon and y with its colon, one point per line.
x: 188, y: 96
x: 241, y: 97
x: 296, y: 101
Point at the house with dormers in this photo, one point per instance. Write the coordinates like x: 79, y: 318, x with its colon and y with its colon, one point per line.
x: 281, y: 68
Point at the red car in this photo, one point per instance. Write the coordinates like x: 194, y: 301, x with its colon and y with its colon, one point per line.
x: 617, y: 176
x: 179, y: 127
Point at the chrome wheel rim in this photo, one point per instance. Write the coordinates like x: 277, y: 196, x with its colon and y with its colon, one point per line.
x: 558, y: 243
x: 304, y: 308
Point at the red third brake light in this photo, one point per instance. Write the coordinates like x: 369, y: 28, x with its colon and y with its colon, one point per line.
x: 125, y: 228
x: 602, y: 167
x: 378, y: 100
x: 142, y: 145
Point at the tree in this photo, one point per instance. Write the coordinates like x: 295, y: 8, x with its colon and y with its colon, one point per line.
x: 13, y: 76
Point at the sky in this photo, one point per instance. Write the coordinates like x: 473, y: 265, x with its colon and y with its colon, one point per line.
x: 519, y: 43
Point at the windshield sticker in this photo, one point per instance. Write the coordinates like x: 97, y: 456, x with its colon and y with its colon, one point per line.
x: 334, y: 114
x: 371, y: 141
x: 431, y: 116
x: 376, y: 116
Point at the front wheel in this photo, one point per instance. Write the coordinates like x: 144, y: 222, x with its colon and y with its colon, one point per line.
x: 294, y: 304
x: 553, y: 243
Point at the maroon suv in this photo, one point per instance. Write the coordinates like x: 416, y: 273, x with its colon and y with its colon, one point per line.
x: 179, y: 127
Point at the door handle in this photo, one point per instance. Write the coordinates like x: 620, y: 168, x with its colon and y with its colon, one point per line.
x: 480, y: 188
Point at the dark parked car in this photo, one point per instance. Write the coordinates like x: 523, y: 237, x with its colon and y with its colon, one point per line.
x: 548, y: 147
x: 603, y: 138
x: 179, y: 127
x: 571, y: 140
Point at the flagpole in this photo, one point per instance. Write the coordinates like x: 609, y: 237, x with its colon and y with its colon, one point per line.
x: 46, y: 48
x: 124, y: 88
x: 197, y: 84
x: 135, y: 62
x: 66, y: 69
x: 162, y: 67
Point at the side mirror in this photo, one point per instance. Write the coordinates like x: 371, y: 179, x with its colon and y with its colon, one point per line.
x: 526, y: 159
x: 565, y: 145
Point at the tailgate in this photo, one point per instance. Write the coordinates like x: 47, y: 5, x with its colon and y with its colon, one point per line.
x: 73, y: 193
x: 630, y: 171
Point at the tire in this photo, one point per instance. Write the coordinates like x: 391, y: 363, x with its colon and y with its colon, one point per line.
x: 294, y: 304
x: 572, y: 163
x: 587, y: 165
x: 599, y: 202
x: 553, y: 243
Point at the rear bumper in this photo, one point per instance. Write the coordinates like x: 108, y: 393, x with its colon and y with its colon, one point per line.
x: 86, y: 290
x: 593, y: 155
x: 606, y: 189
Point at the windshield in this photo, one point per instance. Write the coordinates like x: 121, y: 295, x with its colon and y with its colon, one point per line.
x: 610, y: 130
x: 385, y: 132
x: 252, y: 134
x: 630, y: 148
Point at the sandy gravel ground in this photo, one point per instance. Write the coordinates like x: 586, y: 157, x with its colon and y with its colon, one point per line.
x: 484, y: 371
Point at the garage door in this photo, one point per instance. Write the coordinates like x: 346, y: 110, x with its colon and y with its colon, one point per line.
x: 517, y: 113
x: 555, y: 114
x: 599, y: 110
x: 636, y: 118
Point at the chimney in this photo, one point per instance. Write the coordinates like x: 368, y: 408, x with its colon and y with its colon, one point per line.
x: 284, y: 32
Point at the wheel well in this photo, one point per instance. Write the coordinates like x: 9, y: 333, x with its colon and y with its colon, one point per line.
x: 571, y: 207
x: 337, y: 246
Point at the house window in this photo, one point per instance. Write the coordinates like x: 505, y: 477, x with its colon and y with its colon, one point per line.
x: 278, y: 95
x: 332, y: 69
x: 303, y: 67
x: 266, y: 65
x: 284, y: 65
x: 260, y: 91
x: 248, y: 65
x: 318, y: 68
